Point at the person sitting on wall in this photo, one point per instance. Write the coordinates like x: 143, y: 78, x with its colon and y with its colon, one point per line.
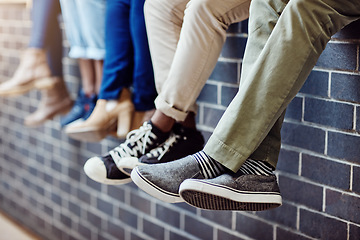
x: 185, y: 40
x: 234, y: 171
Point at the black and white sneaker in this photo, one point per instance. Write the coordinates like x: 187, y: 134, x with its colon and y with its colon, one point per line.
x: 138, y: 142
x: 181, y: 142
x: 232, y: 191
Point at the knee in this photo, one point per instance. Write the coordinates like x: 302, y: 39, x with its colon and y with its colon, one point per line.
x: 201, y: 7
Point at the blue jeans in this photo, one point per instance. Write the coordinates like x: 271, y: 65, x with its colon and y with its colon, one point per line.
x: 46, y: 33
x: 85, y: 27
x: 127, y: 61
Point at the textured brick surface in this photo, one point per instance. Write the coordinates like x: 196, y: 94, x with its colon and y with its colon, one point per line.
x: 43, y: 186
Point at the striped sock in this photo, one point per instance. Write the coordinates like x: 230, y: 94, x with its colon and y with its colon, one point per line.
x: 257, y: 167
x: 208, y: 166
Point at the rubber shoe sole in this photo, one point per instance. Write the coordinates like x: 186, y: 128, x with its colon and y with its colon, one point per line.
x: 218, y: 197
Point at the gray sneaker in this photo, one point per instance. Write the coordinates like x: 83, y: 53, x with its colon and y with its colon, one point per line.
x: 162, y: 180
x: 232, y: 191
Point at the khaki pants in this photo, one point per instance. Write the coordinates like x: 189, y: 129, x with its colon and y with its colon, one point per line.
x: 185, y: 40
x: 286, y: 37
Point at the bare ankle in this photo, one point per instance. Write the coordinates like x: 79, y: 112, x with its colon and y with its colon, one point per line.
x: 162, y: 121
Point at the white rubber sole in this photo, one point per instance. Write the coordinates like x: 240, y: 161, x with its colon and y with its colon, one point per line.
x: 127, y: 164
x: 206, y: 195
x: 152, y: 189
x: 95, y: 169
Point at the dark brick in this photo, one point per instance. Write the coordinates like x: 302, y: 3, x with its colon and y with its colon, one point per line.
x: 116, y: 192
x: 234, y: 47
x: 74, y: 207
x: 83, y: 196
x: 105, y: 206
x: 227, y: 94
x: 219, y: 217
x: 212, y: 116
x: 116, y: 229
x: 176, y: 236
x: 233, y: 28
x: 91, y: 183
x: 127, y: 217
x: 285, y: 215
x: 208, y: 94
x: 253, y: 228
x: 356, y: 179
x: 74, y: 174
x: 64, y: 186
x: 343, y: 206
x: 185, y: 207
x: 303, y: 136
x: 288, y: 161
x: 358, y: 119
x: 84, y: 230
x: 294, y: 110
x: 153, y: 230
x: 316, y: 84
x: 338, y: 56
x: 228, y: 236
x: 321, y: 227
x: 344, y: 146
x: 93, y: 218
x: 345, y: 87
x: 198, y: 228
x: 168, y: 215
x: 329, y: 113
x: 282, y: 234
x: 354, y: 232
x: 300, y: 192
x: 326, y: 172
x: 225, y: 72
x: 66, y: 220
x: 140, y: 203
x: 56, y: 198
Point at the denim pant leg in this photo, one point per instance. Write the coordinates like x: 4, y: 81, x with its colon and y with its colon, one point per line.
x: 144, y: 92
x: 277, y: 74
x: 46, y: 33
x: 70, y: 13
x: 203, y: 33
x: 92, y: 21
x: 118, y: 64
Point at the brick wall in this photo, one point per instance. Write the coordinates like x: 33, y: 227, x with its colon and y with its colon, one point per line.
x: 43, y: 186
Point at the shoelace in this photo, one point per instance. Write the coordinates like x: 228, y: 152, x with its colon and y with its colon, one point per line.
x: 160, y: 151
x: 135, y: 143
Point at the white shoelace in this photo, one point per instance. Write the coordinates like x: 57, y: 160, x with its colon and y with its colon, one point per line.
x: 160, y: 151
x: 135, y: 143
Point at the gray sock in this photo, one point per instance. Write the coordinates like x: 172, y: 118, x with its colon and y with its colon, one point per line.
x: 208, y: 166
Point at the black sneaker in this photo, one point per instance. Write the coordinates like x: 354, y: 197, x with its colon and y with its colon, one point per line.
x: 138, y: 142
x: 232, y: 191
x: 181, y: 142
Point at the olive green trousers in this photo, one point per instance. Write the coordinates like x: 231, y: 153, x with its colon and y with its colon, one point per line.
x: 286, y: 37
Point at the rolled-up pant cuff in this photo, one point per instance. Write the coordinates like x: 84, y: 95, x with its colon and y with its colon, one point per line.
x: 171, y: 111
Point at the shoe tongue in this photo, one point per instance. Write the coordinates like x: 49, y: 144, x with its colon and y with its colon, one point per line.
x: 162, y: 136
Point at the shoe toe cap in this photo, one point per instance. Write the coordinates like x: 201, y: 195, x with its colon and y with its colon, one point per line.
x: 95, y: 169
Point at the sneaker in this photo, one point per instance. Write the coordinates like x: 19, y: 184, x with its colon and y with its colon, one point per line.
x: 104, y: 170
x: 82, y: 109
x: 163, y: 180
x: 181, y: 142
x: 138, y: 142
x: 233, y: 191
